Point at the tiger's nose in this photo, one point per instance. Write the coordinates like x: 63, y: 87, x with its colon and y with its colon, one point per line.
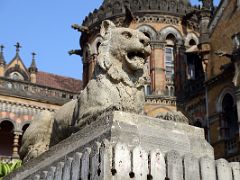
x: 145, y: 40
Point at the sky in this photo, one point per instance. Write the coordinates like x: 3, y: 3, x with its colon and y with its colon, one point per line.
x: 44, y: 27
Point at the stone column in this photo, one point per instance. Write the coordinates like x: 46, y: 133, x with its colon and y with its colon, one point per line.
x: 157, y: 68
x: 15, y: 154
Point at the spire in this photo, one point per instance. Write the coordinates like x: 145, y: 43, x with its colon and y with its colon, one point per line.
x: 33, y: 66
x: 2, y: 60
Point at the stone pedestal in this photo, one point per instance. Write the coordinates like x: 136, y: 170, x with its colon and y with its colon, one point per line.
x: 150, y: 133
x: 119, y: 144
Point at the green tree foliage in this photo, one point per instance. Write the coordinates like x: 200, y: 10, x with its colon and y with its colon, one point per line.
x: 6, y: 168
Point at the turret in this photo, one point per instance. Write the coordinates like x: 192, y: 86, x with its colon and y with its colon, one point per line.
x: 205, y: 17
x: 2, y: 61
x: 33, y: 69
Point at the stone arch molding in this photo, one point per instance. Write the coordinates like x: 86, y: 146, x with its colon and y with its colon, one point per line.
x: 189, y: 37
x: 11, y: 121
x: 87, y: 51
x: 170, y: 30
x: 94, y: 44
x: 227, y: 90
x: 23, y: 124
x: 148, y: 29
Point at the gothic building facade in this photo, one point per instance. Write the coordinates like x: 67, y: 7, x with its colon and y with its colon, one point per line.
x: 184, y: 72
x: 25, y: 92
x: 171, y: 34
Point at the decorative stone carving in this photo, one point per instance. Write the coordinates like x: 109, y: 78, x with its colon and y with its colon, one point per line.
x: 117, y: 85
x: 176, y: 116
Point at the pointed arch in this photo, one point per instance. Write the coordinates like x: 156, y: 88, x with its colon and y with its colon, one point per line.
x: 95, y: 44
x: 191, y: 36
x: 148, y: 31
x: 226, y: 90
x: 171, y: 30
x: 6, y: 137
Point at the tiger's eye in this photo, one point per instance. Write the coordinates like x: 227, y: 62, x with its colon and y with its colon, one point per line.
x: 127, y: 34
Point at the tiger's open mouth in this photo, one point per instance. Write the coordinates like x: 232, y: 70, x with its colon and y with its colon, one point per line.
x: 136, y: 56
x: 137, y: 59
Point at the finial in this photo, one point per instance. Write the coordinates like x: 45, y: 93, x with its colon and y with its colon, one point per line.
x: 33, y: 55
x: 2, y: 61
x: 33, y: 66
x: 2, y: 47
x: 18, y: 46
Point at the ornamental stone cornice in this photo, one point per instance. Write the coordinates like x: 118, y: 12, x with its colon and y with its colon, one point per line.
x: 117, y: 8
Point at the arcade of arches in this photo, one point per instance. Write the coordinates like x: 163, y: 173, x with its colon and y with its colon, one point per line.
x: 10, y: 139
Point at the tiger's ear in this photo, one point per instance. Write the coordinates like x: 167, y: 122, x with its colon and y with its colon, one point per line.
x: 106, y: 26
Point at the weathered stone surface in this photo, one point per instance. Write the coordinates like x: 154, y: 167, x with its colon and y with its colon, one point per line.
x: 191, y: 167
x: 36, y: 177
x: 36, y: 139
x: 131, y: 129
x: 85, y: 164
x: 67, y: 169
x: 176, y: 116
x: 208, y: 170
x: 174, y: 166
x: 117, y: 85
x: 224, y: 171
x: 140, y: 163
x: 95, y: 161
x: 43, y: 175
x: 50, y: 174
x: 122, y: 161
x: 236, y: 170
x: 158, y: 165
x: 106, y: 160
x: 59, y: 171
x: 76, y: 164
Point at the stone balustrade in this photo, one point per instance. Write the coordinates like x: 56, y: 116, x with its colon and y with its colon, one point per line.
x: 102, y: 161
x: 29, y: 90
x: 167, y: 100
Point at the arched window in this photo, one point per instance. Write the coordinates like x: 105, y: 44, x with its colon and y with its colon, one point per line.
x: 229, y: 117
x: 169, y: 56
x: 6, y: 138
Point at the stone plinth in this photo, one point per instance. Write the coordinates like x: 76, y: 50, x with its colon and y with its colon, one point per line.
x: 148, y: 134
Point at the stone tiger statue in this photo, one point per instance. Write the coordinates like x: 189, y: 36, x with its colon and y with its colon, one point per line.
x: 117, y: 84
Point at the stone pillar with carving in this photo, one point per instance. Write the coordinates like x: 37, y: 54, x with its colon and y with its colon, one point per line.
x: 15, y: 154
x: 180, y: 69
x: 157, y: 68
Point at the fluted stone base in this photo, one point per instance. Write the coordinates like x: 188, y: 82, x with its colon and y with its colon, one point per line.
x: 129, y: 129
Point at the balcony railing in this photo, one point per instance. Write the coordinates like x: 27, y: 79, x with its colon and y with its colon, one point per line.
x: 33, y: 91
